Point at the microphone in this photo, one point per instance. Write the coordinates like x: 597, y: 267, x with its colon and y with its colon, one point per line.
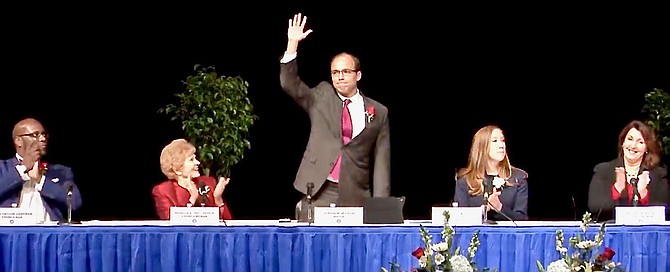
x: 487, y: 183
x: 310, y: 189
x: 488, y: 190
x: 636, y: 193
x: 67, y: 221
x: 202, y: 190
x: 69, y: 204
x: 574, y: 207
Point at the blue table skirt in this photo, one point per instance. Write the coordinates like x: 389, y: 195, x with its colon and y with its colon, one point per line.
x: 298, y: 248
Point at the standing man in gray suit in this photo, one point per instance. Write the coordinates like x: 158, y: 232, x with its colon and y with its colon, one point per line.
x: 349, y: 135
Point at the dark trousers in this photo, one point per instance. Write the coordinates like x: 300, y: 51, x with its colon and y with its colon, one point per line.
x: 327, y: 194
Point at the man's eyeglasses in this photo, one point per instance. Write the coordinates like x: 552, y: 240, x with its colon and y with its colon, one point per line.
x: 35, y: 135
x: 346, y: 72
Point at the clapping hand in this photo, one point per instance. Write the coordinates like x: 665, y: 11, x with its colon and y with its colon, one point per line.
x: 494, y: 201
x: 31, y: 156
x: 218, y: 191
x: 642, y: 183
x: 620, y: 183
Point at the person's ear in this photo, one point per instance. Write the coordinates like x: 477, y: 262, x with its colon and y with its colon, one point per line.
x: 18, y: 141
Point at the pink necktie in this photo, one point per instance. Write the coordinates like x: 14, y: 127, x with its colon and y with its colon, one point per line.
x: 347, y: 133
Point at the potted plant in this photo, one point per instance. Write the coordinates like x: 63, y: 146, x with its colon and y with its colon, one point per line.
x: 216, y: 115
x: 657, y: 108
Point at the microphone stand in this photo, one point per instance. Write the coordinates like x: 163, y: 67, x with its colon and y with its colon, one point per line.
x: 69, y: 207
x: 485, y: 213
x: 310, y: 209
x: 68, y: 220
x: 636, y: 193
x: 488, y: 190
x: 503, y: 214
x: 203, y: 193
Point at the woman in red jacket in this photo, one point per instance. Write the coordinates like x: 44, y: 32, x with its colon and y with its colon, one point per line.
x: 185, y: 185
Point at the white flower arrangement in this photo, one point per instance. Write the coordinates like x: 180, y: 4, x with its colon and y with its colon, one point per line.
x: 439, y: 257
x: 582, y: 257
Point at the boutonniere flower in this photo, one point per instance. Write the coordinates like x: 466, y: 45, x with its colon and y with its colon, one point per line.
x: 204, y: 191
x: 370, y: 114
x: 498, y: 182
x: 43, y: 168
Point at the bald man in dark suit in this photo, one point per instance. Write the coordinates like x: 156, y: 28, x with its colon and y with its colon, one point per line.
x: 28, y: 181
x: 349, y: 137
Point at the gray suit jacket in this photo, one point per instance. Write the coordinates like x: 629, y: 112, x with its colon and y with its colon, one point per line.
x: 371, y: 148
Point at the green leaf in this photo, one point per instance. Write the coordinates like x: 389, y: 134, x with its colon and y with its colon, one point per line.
x: 215, y: 115
x: 657, y: 109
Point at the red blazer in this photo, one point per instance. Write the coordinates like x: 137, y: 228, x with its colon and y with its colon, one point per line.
x: 169, y: 194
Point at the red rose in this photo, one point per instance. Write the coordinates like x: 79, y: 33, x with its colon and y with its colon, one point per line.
x: 371, y: 111
x: 43, y: 168
x: 608, y: 253
x: 418, y: 253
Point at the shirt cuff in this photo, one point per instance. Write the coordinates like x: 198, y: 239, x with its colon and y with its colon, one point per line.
x: 288, y: 57
x: 22, y: 172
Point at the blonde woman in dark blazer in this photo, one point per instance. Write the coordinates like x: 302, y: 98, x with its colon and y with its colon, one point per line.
x: 488, y: 160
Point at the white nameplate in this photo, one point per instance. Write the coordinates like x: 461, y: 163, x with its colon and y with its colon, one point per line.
x: 458, y: 216
x: 338, y: 216
x: 17, y: 217
x: 642, y: 215
x: 194, y: 215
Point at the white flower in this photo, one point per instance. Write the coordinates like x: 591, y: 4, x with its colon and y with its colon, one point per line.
x: 561, y: 250
x: 440, y: 247
x: 460, y: 264
x: 439, y: 258
x: 558, y: 266
x: 498, y: 182
x: 586, y: 244
x: 423, y: 261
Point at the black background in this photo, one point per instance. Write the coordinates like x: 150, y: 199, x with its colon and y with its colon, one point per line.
x: 560, y: 82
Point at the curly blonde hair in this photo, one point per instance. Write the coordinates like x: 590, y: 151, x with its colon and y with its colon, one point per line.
x: 173, y: 156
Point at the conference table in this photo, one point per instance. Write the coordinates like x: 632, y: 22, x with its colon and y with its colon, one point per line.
x: 271, y: 245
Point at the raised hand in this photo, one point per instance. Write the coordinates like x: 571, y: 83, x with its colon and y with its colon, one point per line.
x: 296, y: 28
x: 218, y: 191
x: 31, y: 154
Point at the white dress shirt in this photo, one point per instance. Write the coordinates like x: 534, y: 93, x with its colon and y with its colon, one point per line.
x: 30, y: 193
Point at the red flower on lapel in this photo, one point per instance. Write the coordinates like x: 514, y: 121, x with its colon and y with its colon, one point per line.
x: 43, y: 167
x: 370, y: 114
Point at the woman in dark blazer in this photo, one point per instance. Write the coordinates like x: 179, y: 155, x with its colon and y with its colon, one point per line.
x: 639, y: 157
x: 489, y: 162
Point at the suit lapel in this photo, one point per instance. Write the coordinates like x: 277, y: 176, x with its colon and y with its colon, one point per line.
x: 336, y: 108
